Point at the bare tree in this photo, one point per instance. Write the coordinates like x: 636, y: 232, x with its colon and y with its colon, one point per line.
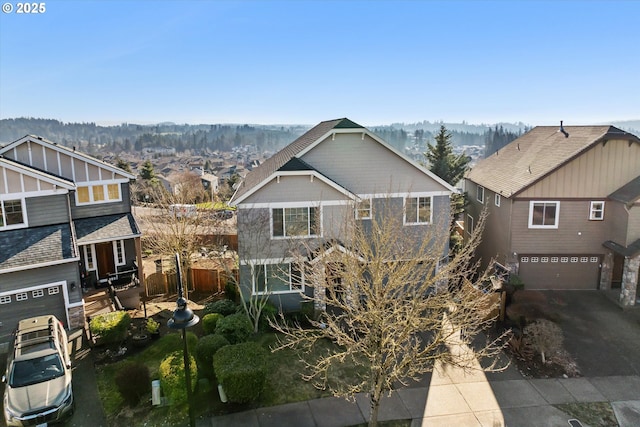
x: 177, y: 225
x: 394, y: 307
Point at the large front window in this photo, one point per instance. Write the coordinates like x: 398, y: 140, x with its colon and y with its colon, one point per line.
x: 11, y: 213
x: 277, y: 278
x: 294, y: 222
x: 544, y: 214
x: 417, y: 210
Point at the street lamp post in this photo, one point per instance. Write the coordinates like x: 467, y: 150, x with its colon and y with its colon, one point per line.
x: 184, y: 318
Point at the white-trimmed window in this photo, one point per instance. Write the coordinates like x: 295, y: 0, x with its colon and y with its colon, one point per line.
x: 564, y: 259
x: 534, y: 259
x: 574, y: 259
x: 98, y: 193
x: 363, y: 209
x: 595, y: 259
x: 12, y: 213
x: 277, y: 278
x: 544, y: 214
x: 88, y: 258
x: 5, y: 299
x: 554, y: 259
x: 480, y: 193
x: 119, y: 252
x: 497, y: 200
x: 22, y: 296
x: 417, y: 210
x: 584, y: 259
x: 54, y: 290
x: 544, y: 259
x: 596, y: 211
x: 469, y: 225
x: 524, y: 259
x: 37, y: 293
x: 295, y: 222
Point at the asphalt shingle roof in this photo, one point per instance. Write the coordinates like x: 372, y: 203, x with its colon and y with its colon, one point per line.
x: 628, y: 193
x: 536, y: 154
x: 278, y: 160
x: 106, y: 227
x: 36, y: 245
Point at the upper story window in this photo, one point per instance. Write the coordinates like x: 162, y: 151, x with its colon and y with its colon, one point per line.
x: 469, y: 225
x: 98, y: 193
x: 277, y: 278
x: 596, y: 211
x: 544, y: 214
x: 417, y: 210
x: 11, y: 213
x: 363, y: 209
x: 295, y: 222
x: 480, y: 194
x: 498, y: 199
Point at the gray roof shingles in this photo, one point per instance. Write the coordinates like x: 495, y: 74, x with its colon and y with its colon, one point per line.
x: 106, y: 227
x: 628, y: 193
x: 37, y: 245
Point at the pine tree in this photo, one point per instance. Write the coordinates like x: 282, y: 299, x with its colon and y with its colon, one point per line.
x: 442, y: 161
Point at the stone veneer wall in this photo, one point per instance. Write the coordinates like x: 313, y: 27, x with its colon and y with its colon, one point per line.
x: 76, y: 317
x: 629, y: 290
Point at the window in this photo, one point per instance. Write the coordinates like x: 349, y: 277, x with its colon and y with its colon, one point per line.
x: 497, y: 200
x: 54, y: 290
x: 584, y: 259
x: 524, y: 259
x: 469, y: 225
x: 534, y: 259
x: 363, y: 209
x: 88, y: 257
x: 11, y: 213
x: 98, y: 193
x: 23, y: 296
x: 554, y: 259
x: 277, y: 278
x: 544, y: 259
x: 119, y: 247
x: 596, y: 211
x: 6, y: 299
x: 37, y: 293
x: 574, y: 259
x: 564, y: 259
x: 294, y: 222
x: 595, y: 259
x: 543, y: 214
x: 480, y: 194
x: 417, y: 210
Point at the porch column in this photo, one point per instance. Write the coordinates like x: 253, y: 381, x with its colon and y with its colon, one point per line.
x: 606, y: 272
x: 629, y: 286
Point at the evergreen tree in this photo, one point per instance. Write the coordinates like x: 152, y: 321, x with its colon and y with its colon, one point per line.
x: 124, y: 165
x: 147, y: 171
x: 442, y: 161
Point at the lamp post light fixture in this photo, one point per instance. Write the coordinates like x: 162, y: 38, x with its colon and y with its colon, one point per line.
x: 183, y: 318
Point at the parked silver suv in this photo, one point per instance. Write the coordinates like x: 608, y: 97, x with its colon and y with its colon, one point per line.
x: 38, y: 378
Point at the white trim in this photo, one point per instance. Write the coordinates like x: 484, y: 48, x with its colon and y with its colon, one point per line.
x: 404, y: 210
x: 261, y: 261
x: 592, y: 211
x: 557, y: 217
x: 497, y: 199
x: 23, y: 209
x: 480, y: 189
x: 82, y: 242
x: 34, y: 173
x: 120, y: 243
x: 301, y: 290
x: 44, y: 264
x: 307, y: 236
x: 65, y: 294
x: 469, y: 230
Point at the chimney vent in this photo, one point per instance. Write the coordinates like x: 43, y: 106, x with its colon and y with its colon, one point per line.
x: 566, y: 134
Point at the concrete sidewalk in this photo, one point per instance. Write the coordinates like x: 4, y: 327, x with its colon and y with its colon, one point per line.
x: 452, y: 400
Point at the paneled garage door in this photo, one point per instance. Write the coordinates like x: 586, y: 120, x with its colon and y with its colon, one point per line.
x: 560, y: 271
x: 34, y: 302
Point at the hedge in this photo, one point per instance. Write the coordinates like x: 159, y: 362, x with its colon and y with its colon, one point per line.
x: 241, y: 369
x: 172, y: 377
x: 209, y: 322
x: 236, y: 328
x: 206, y: 348
x: 110, y: 327
x: 223, y: 306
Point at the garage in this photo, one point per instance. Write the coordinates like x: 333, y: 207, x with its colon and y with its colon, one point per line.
x: 576, y: 271
x: 31, y: 302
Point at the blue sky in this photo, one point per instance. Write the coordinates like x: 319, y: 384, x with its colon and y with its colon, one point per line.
x: 376, y: 62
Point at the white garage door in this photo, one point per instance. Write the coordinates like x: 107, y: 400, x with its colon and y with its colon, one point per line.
x: 560, y: 271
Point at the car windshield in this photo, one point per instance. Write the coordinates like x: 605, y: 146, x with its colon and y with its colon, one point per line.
x: 35, y: 370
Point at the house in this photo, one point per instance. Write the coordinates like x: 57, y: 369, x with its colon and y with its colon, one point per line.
x: 563, y: 208
x: 65, y: 224
x: 303, y: 194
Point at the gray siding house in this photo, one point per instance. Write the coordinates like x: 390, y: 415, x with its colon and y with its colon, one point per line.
x: 564, y: 209
x: 65, y: 224
x: 302, y: 196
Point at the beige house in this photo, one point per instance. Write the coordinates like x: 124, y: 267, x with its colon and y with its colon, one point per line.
x: 564, y: 208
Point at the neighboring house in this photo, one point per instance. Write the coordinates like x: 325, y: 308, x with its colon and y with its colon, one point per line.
x: 564, y: 208
x: 301, y: 197
x: 65, y: 223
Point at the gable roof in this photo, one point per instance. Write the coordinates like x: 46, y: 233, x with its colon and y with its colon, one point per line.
x: 288, y: 159
x: 68, y: 151
x: 538, y: 153
x: 36, y: 173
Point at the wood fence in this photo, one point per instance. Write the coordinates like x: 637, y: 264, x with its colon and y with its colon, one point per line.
x: 198, y: 279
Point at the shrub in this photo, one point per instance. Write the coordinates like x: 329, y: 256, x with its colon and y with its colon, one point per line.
x: 172, y: 377
x: 152, y: 326
x: 516, y: 281
x: 545, y: 336
x: 206, y: 348
x: 110, y: 327
x: 209, y: 322
x: 242, y: 370
x: 223, y: 306
x: 133, y: 382
x: 269, y: 311
x: 236, y: 328
x: 231, y: 291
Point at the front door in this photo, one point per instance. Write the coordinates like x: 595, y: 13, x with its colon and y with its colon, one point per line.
x: 106, y: 264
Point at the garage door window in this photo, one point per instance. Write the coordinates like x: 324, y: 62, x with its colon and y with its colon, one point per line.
x: 23, y: 296
x: 5, y: 299
x: 37, y: 293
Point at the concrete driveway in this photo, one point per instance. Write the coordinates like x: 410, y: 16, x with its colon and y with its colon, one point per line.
x: 603, y: 338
